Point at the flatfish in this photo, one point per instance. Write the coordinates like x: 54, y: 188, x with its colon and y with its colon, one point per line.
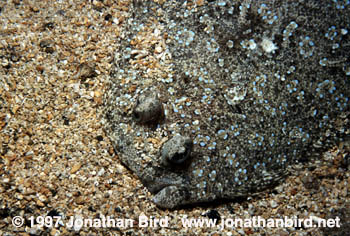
x: 215, y: 99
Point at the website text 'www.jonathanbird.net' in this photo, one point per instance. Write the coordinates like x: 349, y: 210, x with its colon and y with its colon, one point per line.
x: 258, y: 221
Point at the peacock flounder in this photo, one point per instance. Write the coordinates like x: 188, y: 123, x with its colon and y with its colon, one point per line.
x: 215, y: 99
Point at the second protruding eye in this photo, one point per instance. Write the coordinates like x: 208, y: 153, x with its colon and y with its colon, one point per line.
x: 148, y: 108
x: 176, y: 150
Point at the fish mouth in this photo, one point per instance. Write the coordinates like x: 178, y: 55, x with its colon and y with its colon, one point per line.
x: 156, y: 186
x: 169, y: 189
x: 171, y: 197
x: 155, y: 179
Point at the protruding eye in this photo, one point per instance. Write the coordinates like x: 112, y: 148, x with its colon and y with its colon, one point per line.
x: 176, y: 150
x: 136, y: 115
x: 148, y: 108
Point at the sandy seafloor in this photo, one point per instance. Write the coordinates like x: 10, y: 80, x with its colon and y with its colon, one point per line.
x: 55, y: 61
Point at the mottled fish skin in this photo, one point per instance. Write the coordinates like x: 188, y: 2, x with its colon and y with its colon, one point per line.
x: 256, y: 85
